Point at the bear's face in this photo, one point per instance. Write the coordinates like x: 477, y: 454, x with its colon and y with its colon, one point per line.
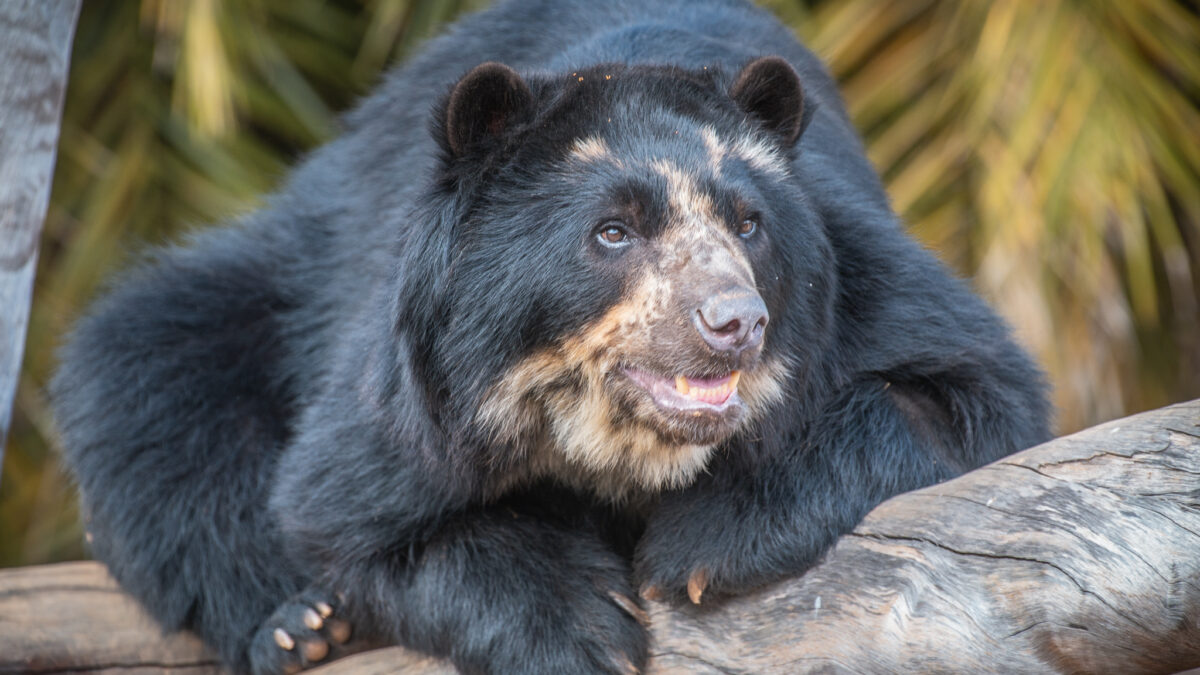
x: 632, y: 247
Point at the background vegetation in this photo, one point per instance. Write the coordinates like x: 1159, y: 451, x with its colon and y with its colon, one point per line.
x: 1047, y: 150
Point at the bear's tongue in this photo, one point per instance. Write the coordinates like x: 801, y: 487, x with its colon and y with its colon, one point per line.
x: 687, y: 391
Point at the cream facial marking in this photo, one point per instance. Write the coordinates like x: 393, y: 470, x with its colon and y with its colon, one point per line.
x: 696, y: 232
x: 716, y: 148
x: 561, y: 402
x: 759, y: 154
x: 590, y: 149
x: 557, y: 409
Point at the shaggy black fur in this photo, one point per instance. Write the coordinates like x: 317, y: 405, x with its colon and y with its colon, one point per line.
x: 282, y: 410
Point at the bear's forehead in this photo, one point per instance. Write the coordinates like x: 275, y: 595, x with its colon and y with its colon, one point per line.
x: 637, y: 115
x: 697, y: 147
x: 687, y: 167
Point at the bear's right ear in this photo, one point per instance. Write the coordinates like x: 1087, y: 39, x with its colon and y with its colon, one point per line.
x: 485, y: 103
x: 769, y: 89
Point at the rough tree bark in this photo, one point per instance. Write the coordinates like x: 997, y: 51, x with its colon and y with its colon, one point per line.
x: 35, y: 50
x: 1079, y: 555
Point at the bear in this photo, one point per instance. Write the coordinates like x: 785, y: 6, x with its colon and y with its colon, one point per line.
x: 594, y: 302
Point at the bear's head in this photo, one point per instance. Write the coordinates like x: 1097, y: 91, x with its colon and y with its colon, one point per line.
x: 623, y: 271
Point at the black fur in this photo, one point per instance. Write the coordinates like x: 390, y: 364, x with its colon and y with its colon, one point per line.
x: 769, y: 89
x: 284, y: 408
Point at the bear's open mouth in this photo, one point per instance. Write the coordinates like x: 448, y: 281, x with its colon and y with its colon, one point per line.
x: 687, y: 392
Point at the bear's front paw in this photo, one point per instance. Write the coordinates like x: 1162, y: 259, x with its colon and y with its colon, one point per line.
x: 301, y: 633
x: 581, y: 617
x: 669, y: 576
x: 701, y: 555
x: 604, y: 634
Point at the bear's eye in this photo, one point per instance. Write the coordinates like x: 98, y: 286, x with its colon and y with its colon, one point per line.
x: 612, y: 234
x: 748, y: 227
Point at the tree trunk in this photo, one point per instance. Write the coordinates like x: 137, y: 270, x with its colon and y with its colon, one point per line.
x: 1079, y: 555
x: 35, y: 49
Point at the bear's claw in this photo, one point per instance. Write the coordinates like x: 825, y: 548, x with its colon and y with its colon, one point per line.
x: 696, y: 584
x: 313, y: 620
x: 631, y: 607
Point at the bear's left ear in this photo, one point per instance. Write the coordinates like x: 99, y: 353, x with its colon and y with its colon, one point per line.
x: 485, y: 103
x: 769, y: 88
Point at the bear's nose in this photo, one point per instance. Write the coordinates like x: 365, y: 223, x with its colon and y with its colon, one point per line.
x: 732, y: 321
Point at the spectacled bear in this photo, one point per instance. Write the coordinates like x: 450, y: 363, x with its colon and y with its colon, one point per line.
x: 593, y: 299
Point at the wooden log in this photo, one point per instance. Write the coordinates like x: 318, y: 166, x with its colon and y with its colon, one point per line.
x: 35, y: 49
x: 1079, y: 555
x: 73, y: 616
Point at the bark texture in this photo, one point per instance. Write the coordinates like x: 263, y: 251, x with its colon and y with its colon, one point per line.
x: 1079, y: 555
x: 35, y: 50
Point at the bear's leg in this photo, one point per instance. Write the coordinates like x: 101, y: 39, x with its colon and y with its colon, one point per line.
x: 173, y: 413
x: 504, y: 590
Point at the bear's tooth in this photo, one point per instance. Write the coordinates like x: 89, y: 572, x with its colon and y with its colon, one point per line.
x: 733, y: 379
x: 681, y: 385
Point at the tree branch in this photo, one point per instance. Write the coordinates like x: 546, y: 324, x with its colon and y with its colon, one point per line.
x: 35, y: 49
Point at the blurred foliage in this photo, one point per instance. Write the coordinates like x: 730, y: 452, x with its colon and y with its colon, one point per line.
x: 1048, y: 150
